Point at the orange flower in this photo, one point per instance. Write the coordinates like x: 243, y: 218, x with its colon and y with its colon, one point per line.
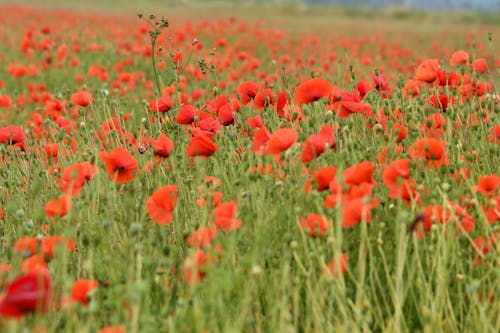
x: 120, y: 165
x: 338, y: 265
x: 458, y: 58
x: 5, y: 101
x: 427, y: 71
x: 26, y: 246
x: 113, y: 329
x: 161, y: 204
x: 480, y: 65
x: 60, y: 206
x: 81, y: 290
x: 281, y: 140
x: 312, y: 90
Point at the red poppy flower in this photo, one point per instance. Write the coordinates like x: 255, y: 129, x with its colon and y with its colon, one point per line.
x: 252, y: 123
x: 316, y: 144
x: 483, y: 246
x: 401, y: 131
x: 324, y: 177
x: 12, y: 135
x: 50, y: 243
x: 360, y: 173
x: 161, y: 204
x: 281, y: 140
x: 225, y: 215
x: 312, y: 90
x: 120, y: 165
x: 434, y: 125
x: 395, y: 172
x: 5, y: 101
x: 226, y: 115
x: 487, y: 185
x: 430, y: 151
x: 163, y: 146
x: 338, y: 265
x: 60, y: 206
x: 412, y: 88
x: 202, y: 237
x: 263, y: 99
x: 493, y: 137
x: 74, y: 177
x: 480, y: 65
x: 201, y: 145
x: 186, y: 115
x: 113, y: 329
x: 247, y: 91
x: 260, y: 138
x: 194, y: 266
x: 162, y: 104
x: 357, y: 210
x: 459, y: 58
x: 492, y: 210
x: 82, y: 98
x: 345, y: 103
x: 315, y: 224
x: 441, y: 102
x: 81, y: 290
x: 26, y: 246
x: 31, y: 292
x: 427, y: 71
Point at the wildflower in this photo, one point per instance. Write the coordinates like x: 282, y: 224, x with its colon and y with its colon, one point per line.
x: 82, y: 98
x: 201, y: 145
x: 314, y: 224
x: 281, y: 140
x: 161, y: 204
x: 120, y: 165
x: 225, y: 214
x: 28, y: 293
x: 430, y: 151
x: 312, y: 90
x: 81, y: 290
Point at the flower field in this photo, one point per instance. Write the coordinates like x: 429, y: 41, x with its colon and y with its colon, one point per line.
x: 276, y: 170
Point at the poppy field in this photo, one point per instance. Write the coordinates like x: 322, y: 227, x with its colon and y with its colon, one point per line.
x: 186, y: 172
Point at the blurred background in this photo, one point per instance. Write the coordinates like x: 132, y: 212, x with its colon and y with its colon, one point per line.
x: 447, y: 5
x: 483, y: 5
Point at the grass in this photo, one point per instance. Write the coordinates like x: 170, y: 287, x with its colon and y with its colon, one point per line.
x: 268, y: 275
